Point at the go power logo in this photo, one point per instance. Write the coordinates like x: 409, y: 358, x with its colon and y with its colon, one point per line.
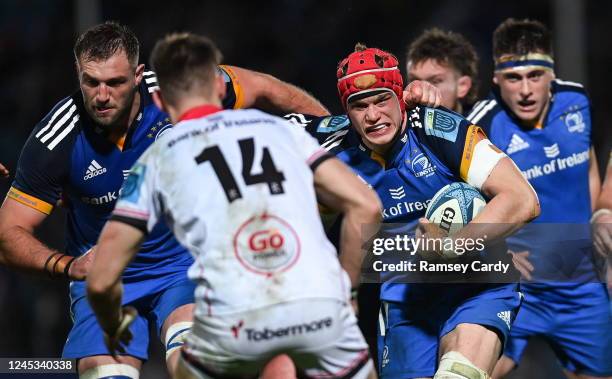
x: 266, y: 244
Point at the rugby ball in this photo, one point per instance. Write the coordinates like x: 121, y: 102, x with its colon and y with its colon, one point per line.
x: 454, y: 206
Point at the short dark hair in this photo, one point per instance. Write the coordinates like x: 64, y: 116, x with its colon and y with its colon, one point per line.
x: 102, y: 41
x: 184, y: 62
x: 520, y: 37
x: 447, y: 48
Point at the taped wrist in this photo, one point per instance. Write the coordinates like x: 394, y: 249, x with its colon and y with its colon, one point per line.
x: 453, y: 365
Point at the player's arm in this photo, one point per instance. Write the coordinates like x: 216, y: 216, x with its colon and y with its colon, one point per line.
x: 602, y: 217
x: 339, y: 189
x: 475, y: 160
x: 4, y: 172
x: 20, y: 249
x: 258, y: 90
x: 35, y: 190
x: 116, y: 247
x: 18, y: 246
x: 594, y: 179
x: 513, y: 203
x: 135, y: 214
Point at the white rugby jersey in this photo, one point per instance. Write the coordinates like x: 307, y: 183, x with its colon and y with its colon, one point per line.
x: 236, y: 188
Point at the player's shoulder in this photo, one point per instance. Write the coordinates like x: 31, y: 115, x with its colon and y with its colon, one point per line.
x: 484, y: 111
x: 436, y: 123
x: 566, y: 86
x: 570, y: 91
x: 150, y: 81
x: 60, y: 125
x: 330, y: 131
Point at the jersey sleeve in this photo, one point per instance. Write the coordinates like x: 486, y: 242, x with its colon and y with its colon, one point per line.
x: 234, y: 95
x: 329, y: 131
x: 44, y: 162
x: 139, y: 203
x: 462, y: 146
x: 309, y: 147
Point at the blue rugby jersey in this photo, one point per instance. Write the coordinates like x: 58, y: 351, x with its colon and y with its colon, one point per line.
x: 434, y: 150
x: 555, y: 160
x: 67, y: 155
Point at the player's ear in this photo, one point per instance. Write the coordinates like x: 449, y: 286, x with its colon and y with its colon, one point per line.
x: 138, y: 74
x: 158, y: 100
x: 464, y: 83
x: 495, y: 80
x: 220, y: 86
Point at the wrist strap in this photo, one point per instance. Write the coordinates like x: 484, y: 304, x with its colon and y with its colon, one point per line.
x: 354, y: 293
x: 599, y: 212
x: 67, y: 268
x: 53, y: 270
x: 49, y: 259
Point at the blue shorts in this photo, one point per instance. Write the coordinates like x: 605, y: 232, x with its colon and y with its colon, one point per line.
x: 408, y: 348
x: 86, y: 337
x: 576, y: 322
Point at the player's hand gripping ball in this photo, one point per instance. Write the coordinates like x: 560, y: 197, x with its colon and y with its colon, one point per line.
x: 452, y: 207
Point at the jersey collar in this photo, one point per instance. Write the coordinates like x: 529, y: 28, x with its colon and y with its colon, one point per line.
x: 199, y: 111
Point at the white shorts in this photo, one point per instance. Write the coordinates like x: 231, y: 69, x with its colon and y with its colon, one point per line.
x: 320, y: 335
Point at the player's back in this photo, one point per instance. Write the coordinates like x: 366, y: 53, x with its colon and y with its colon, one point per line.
x: 237, y: 189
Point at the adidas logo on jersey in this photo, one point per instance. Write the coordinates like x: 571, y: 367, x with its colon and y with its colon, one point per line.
x: 516, y: 144
x: 505, y: 316
x: 94, y: 170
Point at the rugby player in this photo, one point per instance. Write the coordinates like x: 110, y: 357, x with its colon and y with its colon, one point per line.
x: 240, y: 189
x: 442, y: 329
x: 448, y: 61
x: 544, y: 125
x: 83, y: 150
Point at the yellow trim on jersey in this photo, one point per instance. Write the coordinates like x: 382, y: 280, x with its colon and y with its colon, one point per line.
x: 471, y: 139
x: 236, y: 85
x: 378, y: 158
x: 120, y: 142
x: 30, y: 201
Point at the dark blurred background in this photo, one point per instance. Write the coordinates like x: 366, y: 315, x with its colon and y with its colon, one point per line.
x: 299, y: 41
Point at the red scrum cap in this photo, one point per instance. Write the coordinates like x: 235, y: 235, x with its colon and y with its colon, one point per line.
x: 368, y: 70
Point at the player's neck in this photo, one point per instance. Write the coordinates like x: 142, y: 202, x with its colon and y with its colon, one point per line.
x: 538, y: 123
x: 188, y: 104
x: 119, y: 131
x: 458, y: 107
